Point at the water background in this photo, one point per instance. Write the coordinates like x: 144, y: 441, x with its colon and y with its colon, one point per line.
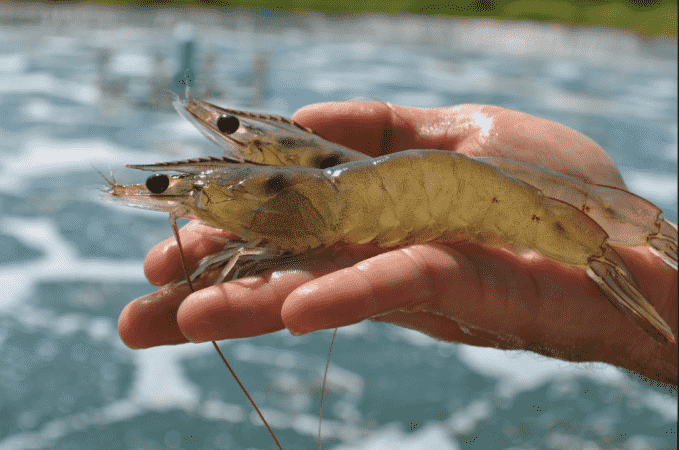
x: 85, y: 88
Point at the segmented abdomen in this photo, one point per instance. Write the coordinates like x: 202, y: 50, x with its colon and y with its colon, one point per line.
x: 432, y: 195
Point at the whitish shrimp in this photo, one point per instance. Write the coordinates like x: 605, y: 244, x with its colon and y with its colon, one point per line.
x: 404, y: 198
x: 271, y: 140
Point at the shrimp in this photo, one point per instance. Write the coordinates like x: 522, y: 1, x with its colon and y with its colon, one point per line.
x: 262, y: 138
x: 628, y: 219
x: 415, y: 196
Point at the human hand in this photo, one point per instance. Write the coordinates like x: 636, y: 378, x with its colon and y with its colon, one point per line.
x: 460, y: 292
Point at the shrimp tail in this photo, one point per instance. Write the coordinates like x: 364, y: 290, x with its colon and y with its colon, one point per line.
x: 623, y: 291
x: 664, y: 243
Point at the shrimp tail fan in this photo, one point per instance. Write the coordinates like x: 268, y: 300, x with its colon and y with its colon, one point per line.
x: 664, y: 243
x: 623, y: 291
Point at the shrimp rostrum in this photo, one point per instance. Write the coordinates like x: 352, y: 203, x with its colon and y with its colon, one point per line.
x: 414, y: 196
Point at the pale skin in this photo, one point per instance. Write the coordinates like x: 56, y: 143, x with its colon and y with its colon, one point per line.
x: 458, y: 292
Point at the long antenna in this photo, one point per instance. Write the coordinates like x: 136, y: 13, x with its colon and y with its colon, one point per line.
x: 173, y: 223
x: 325, y: 378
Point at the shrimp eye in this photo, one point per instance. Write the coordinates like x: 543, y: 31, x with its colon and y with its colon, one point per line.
x: 276, y: 183
x: 329, y: 161
x: 227, y: 124
x: 157, y: 184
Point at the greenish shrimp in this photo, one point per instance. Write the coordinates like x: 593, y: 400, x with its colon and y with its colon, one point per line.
x: 415, y: 196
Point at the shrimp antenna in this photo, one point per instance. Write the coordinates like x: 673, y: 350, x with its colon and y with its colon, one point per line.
x: 325, y: 378
x: 174, y: 215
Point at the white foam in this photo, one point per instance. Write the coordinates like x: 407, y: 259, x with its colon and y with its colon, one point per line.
x: 160, y: 381
x: 519, y: 371
x: 60, y: 261
x: 43, y: 156
x: 433, y: 436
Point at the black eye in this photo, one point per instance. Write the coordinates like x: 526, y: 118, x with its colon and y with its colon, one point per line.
x: 276, y: 184
x: 328, y: 161
x: 157, y: 184
x: 227, y: 124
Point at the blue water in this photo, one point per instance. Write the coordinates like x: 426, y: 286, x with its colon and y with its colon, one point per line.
x: 84, y: 88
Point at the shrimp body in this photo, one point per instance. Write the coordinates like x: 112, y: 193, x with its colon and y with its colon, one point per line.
x: 408, y: 197
x: 394, y: 200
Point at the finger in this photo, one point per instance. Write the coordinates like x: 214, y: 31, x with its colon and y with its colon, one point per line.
x: 493, y: 290
x: 240, y: 308
x: 252, y: 306
x: 163, y: 263
x: 377, y: 128
x: 365, y: 127
x: 151, y: 320
x: 404, y: 279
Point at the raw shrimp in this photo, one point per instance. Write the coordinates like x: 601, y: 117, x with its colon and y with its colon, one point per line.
x: 262, y: 138
x: 414, y: 196
x: 265, y: 139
